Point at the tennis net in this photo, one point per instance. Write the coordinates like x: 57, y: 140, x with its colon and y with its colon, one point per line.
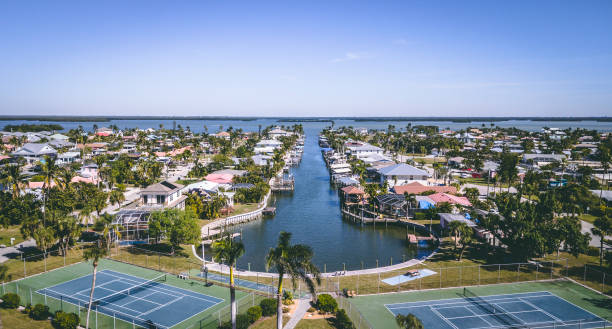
x: 507, y: 318
x: 129, y: 291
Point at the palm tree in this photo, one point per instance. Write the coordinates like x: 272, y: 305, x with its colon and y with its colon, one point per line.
x: 14, y: 178
x: 296, y: 261
x: 65, y: 177
x: 409, y: 321
x: 116, y: 197
x: 50, y: 171
x: 94, y: 254
x: 602, y: 226
x: 227, y: 250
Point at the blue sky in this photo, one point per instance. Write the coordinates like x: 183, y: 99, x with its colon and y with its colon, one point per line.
x: 306, y: 58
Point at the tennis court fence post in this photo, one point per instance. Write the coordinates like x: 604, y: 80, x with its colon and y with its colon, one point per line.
x: 24, y: 268
x: 478, y: 274
x: 518, y: 271
x: 498, y: 272
x: 603, y: 282
x: 45, y: 261
x: 551, y: 269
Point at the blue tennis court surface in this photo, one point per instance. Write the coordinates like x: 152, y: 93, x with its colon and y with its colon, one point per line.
x: 525, y: 310
x: 152, y: 304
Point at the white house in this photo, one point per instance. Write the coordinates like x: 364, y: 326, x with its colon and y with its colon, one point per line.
x: 401, y: 174
x: 362, y: 149
x: 163, y: 195
x: 33, y: 152
x: 68, y: 157
x: 276, y: 133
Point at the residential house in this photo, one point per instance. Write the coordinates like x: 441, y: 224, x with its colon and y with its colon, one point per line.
x: 401, y: 174
x: 163, y: 195
x: 34, y: 152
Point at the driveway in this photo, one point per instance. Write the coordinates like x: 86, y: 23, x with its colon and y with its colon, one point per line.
x: 595, y: 240
x: 4, y: 252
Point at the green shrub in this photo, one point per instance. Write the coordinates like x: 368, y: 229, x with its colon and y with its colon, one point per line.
x: 63, y: 320
x: 268, y: 306
x: 419, y: 215
x: 311, y: 310
x: 285, y: 310
x: 10, y: 300
x: 39, y: 312
x: 327, y: 303
x: 242, y: 322
x: 287, y: 295
x: 593, y: 251
x: 342, y: 320
x: 254, y: 313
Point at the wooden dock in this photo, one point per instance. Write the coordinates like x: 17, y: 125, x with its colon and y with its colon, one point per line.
x: 269, y: 211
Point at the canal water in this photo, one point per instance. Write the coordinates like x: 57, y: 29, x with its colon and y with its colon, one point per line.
x: 312, y: 214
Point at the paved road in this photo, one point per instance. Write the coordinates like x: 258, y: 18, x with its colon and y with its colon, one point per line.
x: 482, y: 189
x: 14, y: 249
x: 595, y: 240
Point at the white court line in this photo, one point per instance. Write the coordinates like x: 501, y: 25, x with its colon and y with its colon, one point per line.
x: 479, y: 316
x: 510, y: 313
x: 162, y: 305
x: 173, y: 293
x: 469, y: 316
x: 593, y: 314
x: 442, y: 317
x: 539, y: 309
x: 460, y: 301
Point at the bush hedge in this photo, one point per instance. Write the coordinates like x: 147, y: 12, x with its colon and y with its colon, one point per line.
x: 63, y: 320
x: 254, y: 313
x: 268, y: 306
x: 10, y: 300
x: 39, y: 312
x: 327, y: 303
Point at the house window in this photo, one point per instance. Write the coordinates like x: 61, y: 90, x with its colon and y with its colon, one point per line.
x: 411, y: 177
x: 161, y: 199
x: 145, y: 198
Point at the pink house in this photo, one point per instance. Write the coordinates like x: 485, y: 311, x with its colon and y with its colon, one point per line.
x: 220, y: 178
x: 452, y: 199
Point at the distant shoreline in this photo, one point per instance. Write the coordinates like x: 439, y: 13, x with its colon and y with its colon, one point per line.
x: 76, y: 118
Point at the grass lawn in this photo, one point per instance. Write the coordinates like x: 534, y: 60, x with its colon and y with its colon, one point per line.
x: 12, y: 232
x: 588, y: 218
x: 314, y: 324
x: 267, y: 323
x: 16, y: 319
x: 241, y: 208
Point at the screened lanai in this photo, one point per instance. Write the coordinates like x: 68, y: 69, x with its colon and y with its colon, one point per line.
x: 134, y: 225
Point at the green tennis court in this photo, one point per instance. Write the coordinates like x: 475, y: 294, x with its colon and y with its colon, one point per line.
x: 124, y: 295
x: 558, y: 304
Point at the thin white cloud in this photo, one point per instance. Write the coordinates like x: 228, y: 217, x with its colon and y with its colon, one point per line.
x: 351, y: 56
x: 400, y: 42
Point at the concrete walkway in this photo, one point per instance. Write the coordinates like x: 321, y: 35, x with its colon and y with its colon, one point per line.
x: 298, y: 314
x: 225, y: 270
